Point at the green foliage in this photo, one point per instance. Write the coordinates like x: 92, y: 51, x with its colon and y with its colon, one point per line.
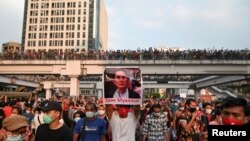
x: 246, y: 89
x: 153, y: 95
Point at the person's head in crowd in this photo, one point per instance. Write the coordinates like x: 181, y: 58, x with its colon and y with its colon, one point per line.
x: 123, y: 110
x: 234, y: 111
x: 121, y: 80
x: 28, y: 108
x: 190, y: 105
x: 207, y: 107
x: 157, y: 110
x: 37, y: 111
x: 216, y: 116
x: 16, y: 127
x: 181, y: 106
x: 101, y: 111
x: 218, y: 105
x: 78, y: 115
x: 16, y: 110
x: 52, y: 112
x: 90, y: 110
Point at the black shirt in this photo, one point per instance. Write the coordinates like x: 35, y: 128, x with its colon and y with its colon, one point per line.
x: 44, y: 133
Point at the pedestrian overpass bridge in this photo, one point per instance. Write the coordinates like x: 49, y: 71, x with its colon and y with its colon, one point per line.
x: 234, y: 69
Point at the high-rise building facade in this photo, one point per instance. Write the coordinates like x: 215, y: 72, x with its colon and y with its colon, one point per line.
x: 65, y: 24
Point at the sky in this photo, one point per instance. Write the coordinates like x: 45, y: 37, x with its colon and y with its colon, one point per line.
x: 133, y: 24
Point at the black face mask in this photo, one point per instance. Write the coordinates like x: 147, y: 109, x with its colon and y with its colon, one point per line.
x: 192, y: 109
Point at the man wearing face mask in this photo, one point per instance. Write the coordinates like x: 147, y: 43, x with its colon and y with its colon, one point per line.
x: 15, y: 129
x: 155, y: 126
x: 91, y: 128
x: 189, y: 122
x: 123, y: 121
x: 53, y: 129
x: 177, y: 114
x: 28, y: 113
x: 234, y: 111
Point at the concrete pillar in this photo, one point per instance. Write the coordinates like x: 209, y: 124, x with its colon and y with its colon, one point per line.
x: 99, y: 92
x: 74, y: 86
x: 47, y: 86
x: 48, y: 93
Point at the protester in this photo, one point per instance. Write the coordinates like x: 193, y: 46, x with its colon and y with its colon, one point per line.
x: 234, y: 111
x: 155, y: 126
x: 123, y: 121
x: 53, y: 130
x: 91, y: 128
x: 15, y: 128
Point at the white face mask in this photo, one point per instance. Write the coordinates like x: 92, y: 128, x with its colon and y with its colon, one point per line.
x: 101, y: 112
x: 27, y: 111
x: 208, y: 111
x: 181, y: 108
x: 77, y: 119
x: 165, y: 113
x: 17, y: 138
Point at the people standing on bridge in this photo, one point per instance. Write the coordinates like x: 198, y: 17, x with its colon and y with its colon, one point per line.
x: 121, y: 82
x: 53, y: 129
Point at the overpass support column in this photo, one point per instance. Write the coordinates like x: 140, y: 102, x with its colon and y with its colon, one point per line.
x: 48, y: 93
x: 74, y: 85
x: 47, y: 86
x: 99, y: 92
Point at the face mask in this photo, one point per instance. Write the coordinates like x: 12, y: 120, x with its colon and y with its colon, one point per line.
x: 197, y: 108
x: 123, y: 111
x: 192, y: 110
x: 47, y: 119
x: 17, y: 138
x: 77, y: 119
x: 27, y: 111
x: 231, y: 121
x: 90, y: 114
x: 208, y: 111
x: 101, y: 112
x: 181, y: 108
x: 157, y: 114
x: 165, y: 113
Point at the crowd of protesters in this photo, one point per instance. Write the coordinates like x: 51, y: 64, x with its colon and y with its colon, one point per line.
x: 63, y: 118
x: 149, y: 54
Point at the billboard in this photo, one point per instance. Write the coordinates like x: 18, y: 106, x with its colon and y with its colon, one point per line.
x: 122, y: 85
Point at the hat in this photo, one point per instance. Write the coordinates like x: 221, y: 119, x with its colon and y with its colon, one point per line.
x: 15, y: 122
x: 52, y: 105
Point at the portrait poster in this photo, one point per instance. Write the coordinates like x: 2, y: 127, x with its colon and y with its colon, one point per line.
x: 122, y: 85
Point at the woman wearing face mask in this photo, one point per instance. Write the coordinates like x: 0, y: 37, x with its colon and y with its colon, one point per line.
x: 15, y: 128
x: 76, y: 117
x: 102, y: 114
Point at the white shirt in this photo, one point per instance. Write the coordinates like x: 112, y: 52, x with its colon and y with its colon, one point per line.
x: 38, y: 120
x: 118, y: 95
x: 123, y: 129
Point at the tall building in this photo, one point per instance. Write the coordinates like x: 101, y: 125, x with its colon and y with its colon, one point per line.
x: 65, y: 24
